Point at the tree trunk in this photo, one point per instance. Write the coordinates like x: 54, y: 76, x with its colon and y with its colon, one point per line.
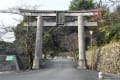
x: 30, y: 60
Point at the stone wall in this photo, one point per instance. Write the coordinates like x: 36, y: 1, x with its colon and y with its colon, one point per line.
x: 105, y: 59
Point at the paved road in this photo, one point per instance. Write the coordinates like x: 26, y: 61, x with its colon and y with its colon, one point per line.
x: 56, y: 69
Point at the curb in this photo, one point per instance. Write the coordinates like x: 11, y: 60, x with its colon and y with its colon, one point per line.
x: 108, y: 76
x: 115, y: 75
x: 7, y: 72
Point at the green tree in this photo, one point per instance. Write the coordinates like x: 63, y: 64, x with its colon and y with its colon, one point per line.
x: 25, y: 38
x: 109, y: 26
x: 7, y: 48
x: 48, y: 44
x: 82, y: 5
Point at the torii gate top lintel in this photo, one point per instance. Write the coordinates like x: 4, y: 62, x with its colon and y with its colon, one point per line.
x: 27, y: 12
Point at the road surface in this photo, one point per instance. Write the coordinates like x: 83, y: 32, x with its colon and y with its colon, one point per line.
x: 56, y: 69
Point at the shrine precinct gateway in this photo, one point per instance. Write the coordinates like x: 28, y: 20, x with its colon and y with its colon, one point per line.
x: 40, y: 23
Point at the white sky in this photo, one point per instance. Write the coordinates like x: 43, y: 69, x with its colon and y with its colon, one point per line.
x: 45, y: 4
x: 10, y: 20
x: 41, y: 4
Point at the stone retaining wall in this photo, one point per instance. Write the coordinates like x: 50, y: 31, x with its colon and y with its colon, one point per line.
x: 105, y: 59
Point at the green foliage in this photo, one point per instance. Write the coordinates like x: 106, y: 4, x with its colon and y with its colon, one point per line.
x: 7, y: 48
x: 82, y: 5
x: 25, y: 38
x: 109, y: 27
x: 48, y: 44
x: 25, y: 59
x: 109, y: 33
x: 115, y: 32
x: 75, y: 55
x: 20, y: 32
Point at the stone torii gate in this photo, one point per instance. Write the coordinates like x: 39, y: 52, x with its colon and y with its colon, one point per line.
x: 40, y: 23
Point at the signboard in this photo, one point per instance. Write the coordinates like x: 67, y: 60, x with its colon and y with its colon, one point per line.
x: 60, y: 18
x: 9, y: 58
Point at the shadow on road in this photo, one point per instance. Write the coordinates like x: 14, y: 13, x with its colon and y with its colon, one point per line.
x: 59, y: 62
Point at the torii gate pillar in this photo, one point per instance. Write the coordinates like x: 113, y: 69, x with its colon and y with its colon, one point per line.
x: 38, y: 46
x: 81, y: 43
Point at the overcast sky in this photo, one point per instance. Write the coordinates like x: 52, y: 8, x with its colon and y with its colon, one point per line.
x: 44, y: 4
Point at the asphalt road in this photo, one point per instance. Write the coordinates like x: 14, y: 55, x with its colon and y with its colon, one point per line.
x: 56, y: 69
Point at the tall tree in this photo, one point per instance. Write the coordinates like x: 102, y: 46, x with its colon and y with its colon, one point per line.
x: 25, y: 38
x: 82, y: 5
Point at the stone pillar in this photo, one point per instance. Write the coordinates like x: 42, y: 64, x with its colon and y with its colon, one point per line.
x: 81, y: 43
x: 38, y: 46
